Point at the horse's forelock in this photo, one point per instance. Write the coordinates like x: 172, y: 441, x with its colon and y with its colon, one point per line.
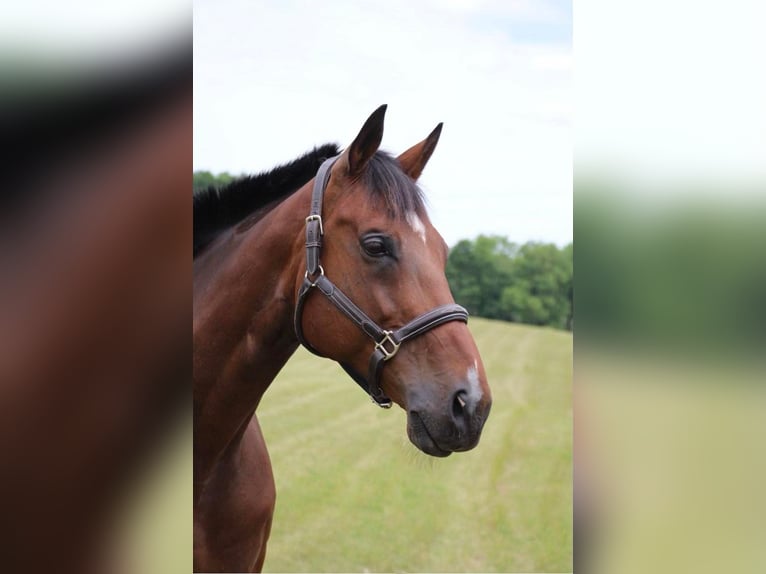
x: 385, y: 180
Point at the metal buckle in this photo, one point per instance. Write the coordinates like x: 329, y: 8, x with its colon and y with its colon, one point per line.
x: 382, y: 345
x: 316, y: 218
x: 314, y: 278
x: 386, y: 404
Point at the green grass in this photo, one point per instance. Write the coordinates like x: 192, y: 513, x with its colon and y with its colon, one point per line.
x: 354, y: 495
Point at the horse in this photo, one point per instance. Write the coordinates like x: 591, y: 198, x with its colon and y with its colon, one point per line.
x: 95, y: 350
x: 334, y: 251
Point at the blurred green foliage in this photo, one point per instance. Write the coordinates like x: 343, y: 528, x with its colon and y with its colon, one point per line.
x: 530, y: 283
x: 683, y: 272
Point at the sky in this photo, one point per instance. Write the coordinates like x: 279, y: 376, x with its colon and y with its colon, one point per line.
x: 669, y: 93
x: 274, y: 79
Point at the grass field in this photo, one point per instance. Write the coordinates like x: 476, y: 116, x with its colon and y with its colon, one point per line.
x: 354, y: 495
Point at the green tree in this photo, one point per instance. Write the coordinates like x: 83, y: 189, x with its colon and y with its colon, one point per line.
x: 495, y: 278
x: 539, y: 290
x: 204, y: 179
x: 478, y: 271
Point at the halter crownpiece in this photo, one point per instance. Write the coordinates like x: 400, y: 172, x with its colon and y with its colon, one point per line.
x: 387, y: 342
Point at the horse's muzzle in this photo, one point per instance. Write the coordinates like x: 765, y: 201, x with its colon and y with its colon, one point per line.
x: 442, y: 432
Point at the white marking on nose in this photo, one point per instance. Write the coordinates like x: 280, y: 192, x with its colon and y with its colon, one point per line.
x: 416, y: 224
x: 474, y: 387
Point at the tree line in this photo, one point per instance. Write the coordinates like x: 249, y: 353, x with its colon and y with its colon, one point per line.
x: 201, y: 180
x: 529, y: 283
x: 495, y: 278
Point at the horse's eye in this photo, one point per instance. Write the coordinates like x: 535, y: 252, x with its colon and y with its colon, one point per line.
x: 375, y: 247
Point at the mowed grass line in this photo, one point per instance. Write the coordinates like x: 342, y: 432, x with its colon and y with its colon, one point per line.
x: 354, y: 495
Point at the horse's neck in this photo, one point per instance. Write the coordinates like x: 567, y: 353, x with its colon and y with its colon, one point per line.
x: 244, y: 301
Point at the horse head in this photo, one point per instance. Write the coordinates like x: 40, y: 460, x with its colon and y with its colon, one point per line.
x: 381, y: 252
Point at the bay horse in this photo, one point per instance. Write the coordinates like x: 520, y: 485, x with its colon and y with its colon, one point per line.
x: 322, y: 251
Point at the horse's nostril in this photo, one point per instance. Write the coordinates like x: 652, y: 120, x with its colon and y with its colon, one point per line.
x: 458, y: 404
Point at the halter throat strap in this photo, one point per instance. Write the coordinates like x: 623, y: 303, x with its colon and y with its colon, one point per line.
x: 387, y: 342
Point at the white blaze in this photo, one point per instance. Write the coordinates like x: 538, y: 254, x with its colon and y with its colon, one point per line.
x: 474, y: 388
x: 416, y: 224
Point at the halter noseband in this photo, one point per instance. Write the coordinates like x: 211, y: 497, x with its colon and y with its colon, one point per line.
x: 387, y: 342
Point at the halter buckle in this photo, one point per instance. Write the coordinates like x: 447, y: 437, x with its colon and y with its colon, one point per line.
x: 318, y: 218
x: 387, y: 355
x: 383, y: 404
x: 315, y: 276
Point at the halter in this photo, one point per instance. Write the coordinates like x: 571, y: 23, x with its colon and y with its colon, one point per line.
x: 387, y: 342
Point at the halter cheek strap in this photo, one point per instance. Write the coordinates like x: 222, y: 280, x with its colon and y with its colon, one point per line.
x: 387, y: 342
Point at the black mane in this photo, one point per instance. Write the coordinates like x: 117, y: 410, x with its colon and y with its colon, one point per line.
x: 218, y: 209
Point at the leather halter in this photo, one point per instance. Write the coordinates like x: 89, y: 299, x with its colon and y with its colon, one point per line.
x: 387, y: 342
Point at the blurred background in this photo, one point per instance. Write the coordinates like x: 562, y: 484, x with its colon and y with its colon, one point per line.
x: 669, y: 291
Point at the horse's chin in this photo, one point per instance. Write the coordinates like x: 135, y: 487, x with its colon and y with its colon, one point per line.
x: 421, y: 438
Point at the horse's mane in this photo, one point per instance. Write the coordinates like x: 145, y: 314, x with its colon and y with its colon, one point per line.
x: 217, y: 209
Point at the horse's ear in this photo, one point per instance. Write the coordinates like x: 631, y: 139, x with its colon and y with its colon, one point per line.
x: 367, y: 142
x: 415, y: 159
